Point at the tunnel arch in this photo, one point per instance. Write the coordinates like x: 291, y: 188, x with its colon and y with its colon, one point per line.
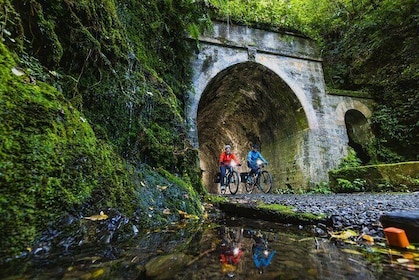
x: 243, y: 104
x: 355, y: 117
x: 359, y: 134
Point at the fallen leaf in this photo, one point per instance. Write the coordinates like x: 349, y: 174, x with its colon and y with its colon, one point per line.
x: 167, y: 211
x: 344, y: 235
x: 368, y: 238
x: 100, y: 217
x: 350, y: 251
x: 98, y: 273
x: 185, y: 215
x: 402, y: 260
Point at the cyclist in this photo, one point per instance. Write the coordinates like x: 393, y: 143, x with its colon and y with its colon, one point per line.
x: 226, y: 161
x: 262, y: 256
x: 252, y: 158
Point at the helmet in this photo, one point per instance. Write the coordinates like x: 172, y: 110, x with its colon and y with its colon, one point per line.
x: 255, y: 146
x: 227, y: 147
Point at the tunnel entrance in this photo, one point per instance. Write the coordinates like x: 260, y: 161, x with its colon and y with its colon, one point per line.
x: 359, y: 134
x: 244, y: 104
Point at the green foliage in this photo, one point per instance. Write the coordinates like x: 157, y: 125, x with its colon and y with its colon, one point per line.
x: 355, y: 36
x: 346, y: 186
x: 351, y: 160
x: 125, y: 64
x: 355, y: 48
x: 50, y: 160
x: 320, y: 188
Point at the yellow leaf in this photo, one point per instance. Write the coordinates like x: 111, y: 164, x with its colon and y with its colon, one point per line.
x: 98, y: 273
x: 162, y: 188
x: 306, y: 239
x: 185, y: 215
x: 368, y: 238
x: 344, y: 235
x: 101, y: 216
x: 350, y: 251
x: 408, y: 255
x: 402, y: 260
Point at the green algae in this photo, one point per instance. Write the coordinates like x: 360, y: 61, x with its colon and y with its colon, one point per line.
x: 51, y: 163
x: 289, y: 213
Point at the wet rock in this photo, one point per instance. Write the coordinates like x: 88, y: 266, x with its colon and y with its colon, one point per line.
x: 164, y: 267
x: 408, y: 221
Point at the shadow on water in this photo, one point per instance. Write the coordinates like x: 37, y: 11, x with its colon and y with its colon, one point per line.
x: 231, y: 248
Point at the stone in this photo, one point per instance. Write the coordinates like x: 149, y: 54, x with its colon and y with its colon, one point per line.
x: 165, y: 266
x: 407, y: 220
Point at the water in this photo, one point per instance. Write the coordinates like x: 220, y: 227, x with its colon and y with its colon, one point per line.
x: 194, y: 251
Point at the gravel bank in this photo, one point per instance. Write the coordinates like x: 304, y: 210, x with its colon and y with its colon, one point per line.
x: 359, y: 211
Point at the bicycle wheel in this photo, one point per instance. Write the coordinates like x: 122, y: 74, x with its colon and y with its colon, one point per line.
x: 249, y: 185
x: 233, y: 182
x: 265, y: 181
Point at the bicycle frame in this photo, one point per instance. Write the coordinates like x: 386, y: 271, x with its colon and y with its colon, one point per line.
x: 232, y: 179
x: 262, y: 180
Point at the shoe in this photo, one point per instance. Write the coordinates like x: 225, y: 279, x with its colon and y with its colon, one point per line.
x: 223, y: 189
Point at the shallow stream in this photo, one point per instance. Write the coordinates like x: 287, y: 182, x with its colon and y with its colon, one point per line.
x: 206, y: 251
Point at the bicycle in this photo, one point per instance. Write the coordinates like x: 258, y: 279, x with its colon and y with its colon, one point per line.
x: 261, y: 180
x: 232, y: 179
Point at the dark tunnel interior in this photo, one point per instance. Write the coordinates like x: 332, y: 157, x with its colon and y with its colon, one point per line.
x: 245, y: 104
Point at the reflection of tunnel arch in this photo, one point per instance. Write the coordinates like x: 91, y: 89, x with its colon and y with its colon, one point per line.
x: 359, y: 133
x: 244, y: 104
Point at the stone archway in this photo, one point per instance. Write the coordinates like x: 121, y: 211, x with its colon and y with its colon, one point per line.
x: 300, y: 127
x: 244, y: 104
x: 359, y: 134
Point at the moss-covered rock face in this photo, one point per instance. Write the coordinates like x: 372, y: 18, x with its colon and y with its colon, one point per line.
x: 51, y: 163
x: 83, y: 90
x: 51, y: 160
x: 376, y: 178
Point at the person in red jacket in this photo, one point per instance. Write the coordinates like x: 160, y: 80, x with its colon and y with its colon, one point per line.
x: 227, y: 160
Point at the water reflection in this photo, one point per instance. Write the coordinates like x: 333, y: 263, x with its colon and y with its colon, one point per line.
x: 227, y: 249
x: 231, y: 249
x: 261, y: 253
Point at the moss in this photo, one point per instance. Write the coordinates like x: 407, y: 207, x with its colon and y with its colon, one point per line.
x: 350, y: 93
x: 113, y: 83
x: 376, y: 178
x: 51, y: 161
x: 289, y: 212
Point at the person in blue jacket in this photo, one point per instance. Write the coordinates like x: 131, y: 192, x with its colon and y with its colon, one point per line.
x: 262, y: 256
x: 252, y: 158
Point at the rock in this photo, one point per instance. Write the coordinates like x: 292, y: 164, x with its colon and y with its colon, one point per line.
x: 408, y: 221
x: 164, y: 267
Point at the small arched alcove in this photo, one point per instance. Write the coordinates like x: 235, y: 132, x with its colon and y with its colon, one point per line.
x: 244, y: 104
x: 359, y: 133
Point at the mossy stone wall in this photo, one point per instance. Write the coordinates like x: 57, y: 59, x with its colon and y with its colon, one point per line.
x: 376, y: 178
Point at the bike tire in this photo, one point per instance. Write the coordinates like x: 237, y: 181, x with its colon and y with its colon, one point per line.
x: 233, y: 182
x: 265, y: 181
x: 249, y: 187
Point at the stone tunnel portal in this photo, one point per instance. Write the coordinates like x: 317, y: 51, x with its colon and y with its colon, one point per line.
x: 359, y: 134
x: 244, y: 104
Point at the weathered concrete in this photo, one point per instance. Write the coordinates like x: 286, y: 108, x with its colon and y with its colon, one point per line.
x: 258, y: 86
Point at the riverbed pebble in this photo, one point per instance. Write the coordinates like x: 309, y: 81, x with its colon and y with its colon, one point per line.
x: 359, y: 211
